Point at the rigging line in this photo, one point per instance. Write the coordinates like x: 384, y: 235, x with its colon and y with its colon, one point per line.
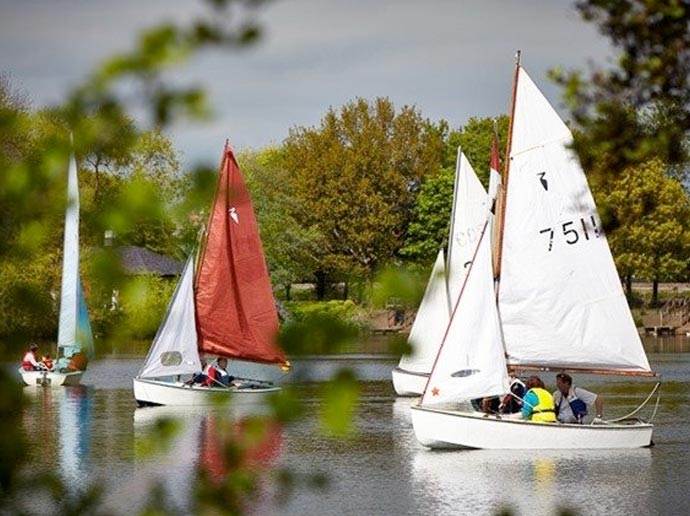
x: 655, y: 389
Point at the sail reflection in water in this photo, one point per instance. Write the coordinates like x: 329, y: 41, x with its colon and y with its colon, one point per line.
x: 66, y: 412
x: 75, y: 432
x: 208, y: 444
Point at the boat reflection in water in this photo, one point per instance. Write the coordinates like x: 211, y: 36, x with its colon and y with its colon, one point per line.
x: 534, y: 483
x: 446, y: 482
x: 210, y: 443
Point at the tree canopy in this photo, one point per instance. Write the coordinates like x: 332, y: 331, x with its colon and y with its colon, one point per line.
x: 355, y: 179
x: 650, y: 216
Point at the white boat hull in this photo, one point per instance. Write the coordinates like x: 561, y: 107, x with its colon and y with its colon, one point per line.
x: 409, y: 383
x: 51, y: 378
x: 160, y: 392
x: 442, y: 428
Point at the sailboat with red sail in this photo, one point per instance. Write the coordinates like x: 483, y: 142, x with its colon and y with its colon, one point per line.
x: 223, y: 307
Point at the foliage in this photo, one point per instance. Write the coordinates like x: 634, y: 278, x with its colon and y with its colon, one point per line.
x: 651, y: 216
x: 354, y: 179
x: 638, y: 109
x: 429, y: 226
x: 135, y: 204
x: 29, y: 294
x: 290, y: 247
x: 474, y: 140
x: 144, y: 303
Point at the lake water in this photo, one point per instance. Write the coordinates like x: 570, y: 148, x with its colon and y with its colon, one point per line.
x: 95, y: 432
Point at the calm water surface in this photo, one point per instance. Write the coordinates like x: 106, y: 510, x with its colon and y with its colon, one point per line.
x: 95, y: 431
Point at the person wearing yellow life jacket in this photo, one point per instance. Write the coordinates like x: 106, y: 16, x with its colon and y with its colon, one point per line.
x: 538, y: 403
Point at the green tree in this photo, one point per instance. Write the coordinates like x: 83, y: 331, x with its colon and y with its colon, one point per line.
x: 650, y: 216
x: 291, y: 249
x: 429, y: 227
x: 638, y: 109
x: 354, y: 181
x: 474, y: 139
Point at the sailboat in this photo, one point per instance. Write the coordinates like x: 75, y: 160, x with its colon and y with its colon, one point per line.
x: 560, y: 305
x: 75, y: 339
x: 447, y: 275
x: 223, y: 306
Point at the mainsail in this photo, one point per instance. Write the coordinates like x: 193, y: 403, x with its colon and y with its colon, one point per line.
x: 235, y: 308
x: 74, y: 330
x: 560, y: 299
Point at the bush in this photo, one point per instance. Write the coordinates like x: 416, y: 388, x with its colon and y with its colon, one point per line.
x: 143, y: 304
x: 29, y: 299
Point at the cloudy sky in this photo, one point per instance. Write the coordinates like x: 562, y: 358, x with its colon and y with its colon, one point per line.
x: 452, y: 59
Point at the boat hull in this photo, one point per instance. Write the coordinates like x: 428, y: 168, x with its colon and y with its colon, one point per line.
x: 441, y: 428
x: 51, y: 378
x: 409, y: 383
x: 160, y: 392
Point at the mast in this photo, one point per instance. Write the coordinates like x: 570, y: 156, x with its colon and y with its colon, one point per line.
x: 452, y: 230
x: 202, y: 237
x: 500, y: 219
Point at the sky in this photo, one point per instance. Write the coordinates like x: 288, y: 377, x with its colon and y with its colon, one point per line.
x: 451, y: 59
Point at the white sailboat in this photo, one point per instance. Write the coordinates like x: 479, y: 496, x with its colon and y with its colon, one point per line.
x: 75, y: 339
x: 467, y: 217
x: 224, y: 307
x: 561, y: 304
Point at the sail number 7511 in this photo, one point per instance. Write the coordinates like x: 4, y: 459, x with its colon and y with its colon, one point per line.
x: 573, y: 231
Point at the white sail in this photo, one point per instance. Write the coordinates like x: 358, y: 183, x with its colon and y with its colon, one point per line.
x: 430, y: 322
x: 471, y: 362
x: 174, y: 349
x: 69, y: 307
x: 467, y: 219
x: 560, y: 300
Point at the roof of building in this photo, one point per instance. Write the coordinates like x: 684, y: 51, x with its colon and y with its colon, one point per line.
x: 138, y: 260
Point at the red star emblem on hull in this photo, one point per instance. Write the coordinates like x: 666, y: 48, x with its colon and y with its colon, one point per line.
x: 434, y: 391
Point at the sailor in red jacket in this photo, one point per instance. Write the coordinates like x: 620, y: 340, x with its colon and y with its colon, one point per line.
x: 217, y: 376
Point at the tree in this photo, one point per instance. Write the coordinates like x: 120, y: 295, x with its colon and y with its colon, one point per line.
x: 291, y: 249
x: 474, y: 139
x: 428, y: 230
x: 650, y: 214
x: 355, y: 180
x: 639, y: 109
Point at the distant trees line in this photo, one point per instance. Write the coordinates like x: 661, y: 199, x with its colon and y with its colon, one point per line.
x: 370, y: 187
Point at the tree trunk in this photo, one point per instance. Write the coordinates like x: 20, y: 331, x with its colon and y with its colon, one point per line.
x: 320, y: 285
x: 346, y: 290
x: 287, y: 291
x: 655, y: 292
x: 628, y: 286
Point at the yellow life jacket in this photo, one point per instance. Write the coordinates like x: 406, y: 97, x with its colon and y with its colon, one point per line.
x: 544, y: 411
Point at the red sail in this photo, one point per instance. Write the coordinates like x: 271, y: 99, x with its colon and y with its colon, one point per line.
x: 235, y: 308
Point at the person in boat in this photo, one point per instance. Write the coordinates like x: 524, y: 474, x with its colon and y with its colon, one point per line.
x: 201, y: 377
x: 538, y: 403
x: 512, y: 402
x: 217, y: 375
x: 47, y: 361
x: 572, y: 402
x: 30, y: 361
